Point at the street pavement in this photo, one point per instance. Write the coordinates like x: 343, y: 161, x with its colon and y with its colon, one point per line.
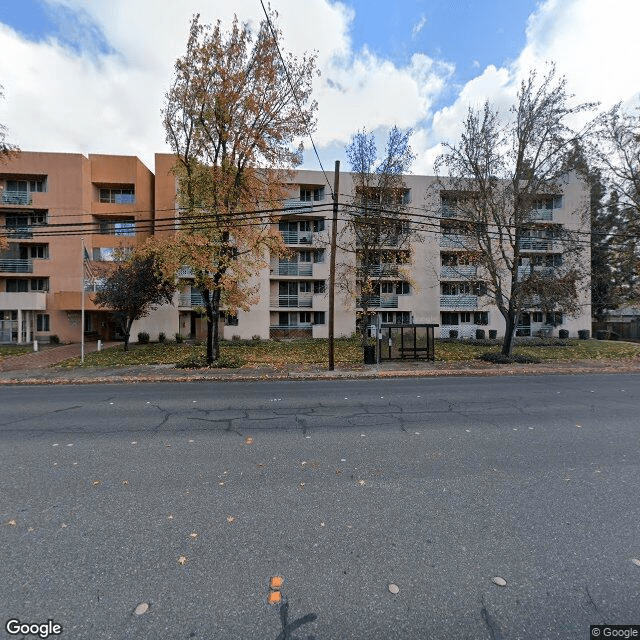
x: 183, y: 500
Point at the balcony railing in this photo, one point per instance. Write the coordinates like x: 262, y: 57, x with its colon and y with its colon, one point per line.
x: 448, y: 212
x: 293, y: 205
x: 524, y: 272
x: 535, y: 244
x: 382, y: 302
x: 17, y: 197
x: 191, y: 299
x: 300, y: 301
x: 293, y: 268
x: 16, y: 265
x: 460, y: 301
x: 297, y: 237
x: 460, y: 271
x: 20, y: 233
x: 457, y: 241
x: 541, y: 214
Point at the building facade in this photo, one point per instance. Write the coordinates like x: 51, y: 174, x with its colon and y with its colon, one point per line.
x: 52, y: 205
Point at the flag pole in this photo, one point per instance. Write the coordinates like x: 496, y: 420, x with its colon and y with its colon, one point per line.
x: 82, y: 313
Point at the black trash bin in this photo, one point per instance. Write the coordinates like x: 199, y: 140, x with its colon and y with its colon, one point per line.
x: 370, y: 354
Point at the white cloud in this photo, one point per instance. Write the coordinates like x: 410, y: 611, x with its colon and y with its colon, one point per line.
x: 418, y: 26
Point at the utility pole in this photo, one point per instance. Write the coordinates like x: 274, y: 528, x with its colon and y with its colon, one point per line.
x: 82, y: 312
x: 332, y: 262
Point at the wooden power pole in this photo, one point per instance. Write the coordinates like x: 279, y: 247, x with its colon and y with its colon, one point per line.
x: 332, y: 263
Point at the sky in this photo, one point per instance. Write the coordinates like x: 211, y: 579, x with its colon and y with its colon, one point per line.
x: 87, y: 76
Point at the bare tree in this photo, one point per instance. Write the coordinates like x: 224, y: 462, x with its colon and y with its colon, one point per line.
x: 377, y: 231
x: 499, y: 186
x: 232, y: 117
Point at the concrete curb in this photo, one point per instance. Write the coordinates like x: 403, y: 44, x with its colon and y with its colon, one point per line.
x: 134, y: 375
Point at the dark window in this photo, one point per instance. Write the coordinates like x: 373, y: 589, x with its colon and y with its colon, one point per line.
x: 318, y: 286
x: 17, y: 286
x: 42, y: 322
x: 318, y: 256
x: 318, y: 317
x: 232, y: 320
x: 318, y: 225
x: 465, y: 316
x: 447, y: 317
x: 537, y: 316
x: 403, y: 288
x: 40, y: 284
x: 305, y: 317
x: 403, y: 317
x: 554, y: 318
x: 305, y: 287
x: 118, y: 196
x: 481, y: 317
x: 283, y: 318
x: 309, y: 194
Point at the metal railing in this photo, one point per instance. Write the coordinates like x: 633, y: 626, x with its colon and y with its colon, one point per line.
x: 459, y: 271
x: 16, y: 197
x: 16, y: 265
x: 382, y: 302
x: 294, y: 205
x: 460, y: 301
x: 535, y: 244
x: 541, y: 214
x: 20, y: 232
x: 524, y: 272
x: 294, y: 268
x: 297, y: 237
x: 457, y: 241
x: 300, y: 301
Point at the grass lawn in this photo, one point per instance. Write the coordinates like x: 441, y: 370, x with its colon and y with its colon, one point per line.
x: 347, y: 352
x: 7, y: 351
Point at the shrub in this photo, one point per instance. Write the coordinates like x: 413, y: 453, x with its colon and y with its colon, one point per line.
x: 200, y: 362
x: 563, y: 334
x: 54, y: 339
x: 583, y: 334
x: 493, y: 334
x: 453, y: 333
x: 479, y: 334
x: 256, y: 338
x: 162, y: 337
x: 179, y: 338
x: 143, y: 337
x: 235, y: 338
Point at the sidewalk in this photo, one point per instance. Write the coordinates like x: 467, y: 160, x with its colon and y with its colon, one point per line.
x: 39, y: 368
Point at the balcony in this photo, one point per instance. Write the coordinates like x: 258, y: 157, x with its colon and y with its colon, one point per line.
x: 19, y: 233
x: 380, y: 270
x: 541, y: 214
x: 16, y: 265
x: 459, y: 271
x: 460, y: 301
x: 448, y: 212
x: 288, y: 302
x: 524, y: 272
x: 388, y: 301
x: 535, y: 244
x: 457, y: 241
x: 293, y: 268
x: 17, y: 197
x: 294, y: 205
x: 191, y: 299
x: 297, y: 237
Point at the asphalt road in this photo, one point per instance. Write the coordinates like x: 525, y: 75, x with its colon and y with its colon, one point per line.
x: 189, y: 497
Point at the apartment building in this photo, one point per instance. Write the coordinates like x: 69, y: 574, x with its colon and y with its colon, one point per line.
x: 428, y: 277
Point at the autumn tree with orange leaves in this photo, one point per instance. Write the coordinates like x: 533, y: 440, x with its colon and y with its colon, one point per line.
x: 232, y: 117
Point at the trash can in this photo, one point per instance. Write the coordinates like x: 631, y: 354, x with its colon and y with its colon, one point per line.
x: 370, y: 354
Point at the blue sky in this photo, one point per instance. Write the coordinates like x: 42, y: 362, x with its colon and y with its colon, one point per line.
x: 89, y: 76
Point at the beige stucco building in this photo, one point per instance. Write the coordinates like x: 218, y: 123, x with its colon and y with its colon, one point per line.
x: 52, y: 203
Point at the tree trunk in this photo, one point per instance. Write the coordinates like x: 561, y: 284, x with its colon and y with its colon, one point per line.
x: 510, y: 329
x: 216, y: 331
x: 212, y: 305
x: 208, y: 304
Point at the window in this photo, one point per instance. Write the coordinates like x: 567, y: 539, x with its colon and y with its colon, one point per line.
x: 318, y: 225
x: 318, y: 256
x: 305, y: 287
x: 403, y: 317
x: 124, y: 195
x: 318, y: 286
x: 283, y: 319
x: 304, y: 256
x: 34, y: 251
x: 103, y: 254
x: 305, y: 225
x: 32, y: 219
x: 309, y: 194
x: 27, y: 186
x: 387, y: 287
x: 318, y: 317
x: 42, y: 322
x: 232, y: 320
x: 465, y: 316
x: 40, y: 284
x: 403, y: 288
x: 124, y: 227
x: 447, y: 317
x: 537, y: 316
x: 18, y: 286
x: 481, y: 317
x: 387, y: 317
x: 554, y: 318
x: 305, y: 317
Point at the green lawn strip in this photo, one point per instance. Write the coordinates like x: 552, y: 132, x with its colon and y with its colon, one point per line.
x: 280, y: 354
x: 14, y: 350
